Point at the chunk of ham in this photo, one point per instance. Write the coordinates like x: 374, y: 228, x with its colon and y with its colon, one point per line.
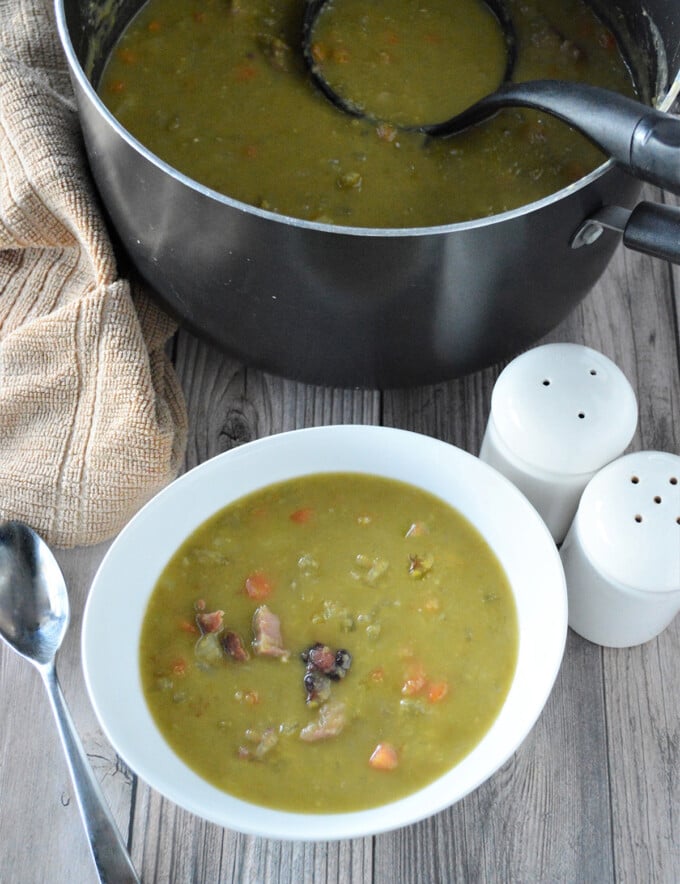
x: 234, y: 647
x: 265, y: 743
x: 330, y: 722
x: 267, y: 629
x: 209, y: 621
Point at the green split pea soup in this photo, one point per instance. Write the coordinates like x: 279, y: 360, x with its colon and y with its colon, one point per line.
x: 329, y: 644
x: 218, y: 89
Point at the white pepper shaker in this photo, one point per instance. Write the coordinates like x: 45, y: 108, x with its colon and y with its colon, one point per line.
x: 559, y: 413
x: 621, y: 556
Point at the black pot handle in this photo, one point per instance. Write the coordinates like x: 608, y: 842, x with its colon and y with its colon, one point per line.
x: 651, y: 228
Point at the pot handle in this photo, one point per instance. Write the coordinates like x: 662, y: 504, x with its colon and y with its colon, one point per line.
x: 651, y: 228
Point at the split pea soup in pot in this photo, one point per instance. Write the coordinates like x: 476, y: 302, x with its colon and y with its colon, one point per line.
x: 218, y: 89
x: 330, y: 643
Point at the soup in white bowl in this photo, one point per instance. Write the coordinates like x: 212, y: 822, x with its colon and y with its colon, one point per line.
x: 490, y: 510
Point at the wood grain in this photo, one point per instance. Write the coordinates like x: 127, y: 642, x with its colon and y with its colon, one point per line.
x: 593, y: 793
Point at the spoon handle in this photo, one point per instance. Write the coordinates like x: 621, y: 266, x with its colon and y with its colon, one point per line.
x: 108, y: 850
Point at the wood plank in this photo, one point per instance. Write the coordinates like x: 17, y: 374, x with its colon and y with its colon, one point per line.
x: 177, y: 846
x: 592, y: 793
x: 557, y: 796
x: 230, y: 404
x: 454, y: 412
x: 643, y: 702
x: 37, y: 803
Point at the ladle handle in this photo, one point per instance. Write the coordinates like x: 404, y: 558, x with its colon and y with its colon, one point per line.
x: 110, y: 855
x: 643, y: 140
x: 655, y: 150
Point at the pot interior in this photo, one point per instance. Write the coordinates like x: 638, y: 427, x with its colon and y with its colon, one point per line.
x: 648, y: 34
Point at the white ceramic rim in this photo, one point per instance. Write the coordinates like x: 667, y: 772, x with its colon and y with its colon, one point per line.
x: 126, y: 577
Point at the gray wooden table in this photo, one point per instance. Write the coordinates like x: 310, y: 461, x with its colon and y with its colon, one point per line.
x: 592, y: 795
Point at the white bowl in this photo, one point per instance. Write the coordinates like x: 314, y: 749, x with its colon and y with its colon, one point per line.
x: 120, y: 592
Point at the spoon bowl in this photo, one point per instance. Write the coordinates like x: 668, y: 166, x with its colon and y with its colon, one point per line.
x: 34, y: 617
x: 34, y: 608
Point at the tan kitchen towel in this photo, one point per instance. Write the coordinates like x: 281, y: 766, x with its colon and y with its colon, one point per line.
x: 92, y: 420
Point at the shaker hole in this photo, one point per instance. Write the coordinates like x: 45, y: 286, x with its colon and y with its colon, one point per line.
x: 593, y: 371
x: 657, y: 499
x: 634, y: 480
x: 546, y: 382
x: 638, y: 518
x: 673, y: 480
x: 581, y: 415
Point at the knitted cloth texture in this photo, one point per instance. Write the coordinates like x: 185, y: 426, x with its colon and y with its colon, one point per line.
x: 92, y: 418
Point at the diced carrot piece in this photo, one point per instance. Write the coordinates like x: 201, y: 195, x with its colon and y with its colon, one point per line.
x: 319, y: 52
x: 574, y: 170
x: 302, y: 516
x: 386, y: 132
x: 377, y: 675
x: 179, y: 666
x: 437, y: 690
x: 384, y: 757
x: 154, y: 26
x: 210, y: 621
x: 258, y: 586
x: 245, y: 72
x: 127, y: 56
x: 117, y: 86
x: 189, y: 627
x: 607, y: 40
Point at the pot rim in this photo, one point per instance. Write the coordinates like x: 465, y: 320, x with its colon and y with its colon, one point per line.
x: 662, y: 103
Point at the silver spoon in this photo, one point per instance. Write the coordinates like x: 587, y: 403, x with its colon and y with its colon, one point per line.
x: 34, y: 616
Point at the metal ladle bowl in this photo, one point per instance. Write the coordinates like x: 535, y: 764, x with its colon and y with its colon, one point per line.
x: 642, y: 140
x: 312, y: 11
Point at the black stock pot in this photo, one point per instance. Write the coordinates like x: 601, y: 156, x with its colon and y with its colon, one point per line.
x: 365, y: 307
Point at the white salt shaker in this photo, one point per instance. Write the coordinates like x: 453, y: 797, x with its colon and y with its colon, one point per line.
x: 621, y: 556
x: 559, y: 413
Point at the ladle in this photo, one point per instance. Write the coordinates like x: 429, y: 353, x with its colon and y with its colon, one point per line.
x: 34, y: 616
x: 345, y: 103
x: 643, y: 140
